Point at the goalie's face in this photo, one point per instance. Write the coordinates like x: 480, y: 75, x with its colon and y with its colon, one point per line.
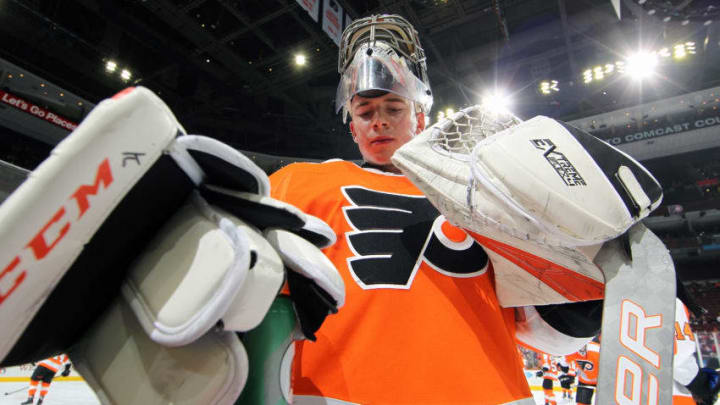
x: 380, y: 125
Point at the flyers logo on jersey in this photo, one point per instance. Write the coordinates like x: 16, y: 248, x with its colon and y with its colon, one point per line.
x: 394, y: 233
x: 586, y: 365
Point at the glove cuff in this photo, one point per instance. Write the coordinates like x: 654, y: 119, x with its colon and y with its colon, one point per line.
x: 702, y: 387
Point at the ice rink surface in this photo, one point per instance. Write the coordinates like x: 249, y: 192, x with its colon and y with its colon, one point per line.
x: 60, y: 393
x: 78, y: 393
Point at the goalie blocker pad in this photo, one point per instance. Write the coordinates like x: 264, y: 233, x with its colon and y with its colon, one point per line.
x: 69, y: 232
x: 72, y: 230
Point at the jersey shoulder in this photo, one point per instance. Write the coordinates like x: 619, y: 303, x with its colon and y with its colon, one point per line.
x: 326, y: 167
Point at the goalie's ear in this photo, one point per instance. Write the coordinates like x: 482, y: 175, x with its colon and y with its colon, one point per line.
x: 420, y: 126
x: 352, y: 131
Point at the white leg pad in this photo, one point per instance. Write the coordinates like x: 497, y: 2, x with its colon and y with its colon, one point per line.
x: 123, y: 366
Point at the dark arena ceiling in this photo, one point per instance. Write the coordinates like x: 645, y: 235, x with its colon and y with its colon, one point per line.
x: 226, y: 67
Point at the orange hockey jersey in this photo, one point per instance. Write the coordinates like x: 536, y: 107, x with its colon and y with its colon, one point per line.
x: 587, y: 364
x: 551, y: 365
x: 421, y: 323
x: 55, y: 363
x: 685, y: 366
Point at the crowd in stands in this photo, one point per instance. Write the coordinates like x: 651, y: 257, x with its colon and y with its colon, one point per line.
x: 707, y: 294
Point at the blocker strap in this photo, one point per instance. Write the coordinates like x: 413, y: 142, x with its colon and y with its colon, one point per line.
x: 224, y: 166
x: 266, y: 212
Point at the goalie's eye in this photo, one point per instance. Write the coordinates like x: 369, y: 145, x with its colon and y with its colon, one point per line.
x: 366, y: 115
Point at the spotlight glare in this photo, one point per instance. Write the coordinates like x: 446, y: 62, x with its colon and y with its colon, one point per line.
x: 498, y: 102
x: 110, y: 66
x: 449, y: 112
x: 641, y: 65
x: 125, y: 74
x: 300, y: 59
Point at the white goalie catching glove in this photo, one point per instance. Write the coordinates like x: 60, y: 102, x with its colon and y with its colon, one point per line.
x: 179, y: 224
x: 539, y: 195
x: 557, y: 211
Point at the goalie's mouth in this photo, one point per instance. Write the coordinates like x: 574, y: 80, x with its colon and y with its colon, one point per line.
x: 381, y: 140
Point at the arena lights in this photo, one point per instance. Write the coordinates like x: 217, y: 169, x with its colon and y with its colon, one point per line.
x: 110, y: 66
x: 601, y: 72
x: 125, y: 75
x: 642, y: 65
x: 449, y: 112
x: 678, y: 51
x: 548, y: 87
x: 300, y: 60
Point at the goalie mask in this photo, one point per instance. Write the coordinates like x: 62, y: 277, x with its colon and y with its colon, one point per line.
x: 382, y: 53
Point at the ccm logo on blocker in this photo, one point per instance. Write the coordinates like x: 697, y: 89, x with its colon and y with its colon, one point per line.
x: 54, y: 230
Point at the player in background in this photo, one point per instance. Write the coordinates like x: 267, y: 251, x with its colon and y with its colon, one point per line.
x: 420, y: 302
x: 567, y: 376
x: 43, y: 375
x: 548, y: 371
x: 692, y: 384
x: 587, y: 360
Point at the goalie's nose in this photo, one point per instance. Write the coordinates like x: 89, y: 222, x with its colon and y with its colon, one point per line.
x: 380, y: 122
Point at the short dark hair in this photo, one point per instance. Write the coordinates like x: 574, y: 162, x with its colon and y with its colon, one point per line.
x: 372, y: 93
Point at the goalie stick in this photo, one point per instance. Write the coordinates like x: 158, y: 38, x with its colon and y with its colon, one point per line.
x: 464, y: 171
x: 17, y: 390
x: 636, y: 351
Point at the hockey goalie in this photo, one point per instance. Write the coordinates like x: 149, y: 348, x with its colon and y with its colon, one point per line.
x: 156, y: 258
